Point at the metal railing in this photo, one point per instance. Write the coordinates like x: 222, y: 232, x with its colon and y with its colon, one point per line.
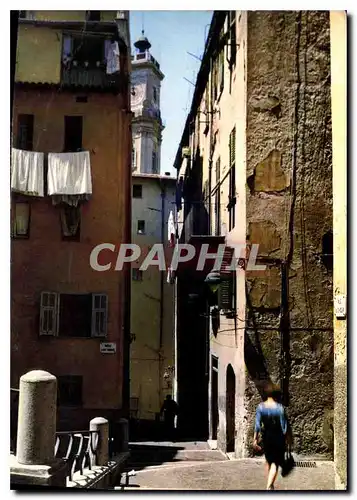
x: 78, y: 449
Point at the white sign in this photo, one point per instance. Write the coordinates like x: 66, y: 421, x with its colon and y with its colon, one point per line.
x: 340, y: 306
x: 108, y: 347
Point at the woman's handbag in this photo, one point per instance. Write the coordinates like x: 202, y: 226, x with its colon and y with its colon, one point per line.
x: 288, y: 464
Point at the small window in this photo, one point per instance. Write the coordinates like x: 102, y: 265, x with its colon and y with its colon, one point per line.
x: 73, y: 130
x: 154, y: 92
x: 70, y: 390
x: 73, y: 133
x: 137, y: 191
x: 155, y: 166
x: 25, y: 132
x: 21, y: 220
x: 93, y: 15
x: 70, y: 223
x: 141, y: 227
x: 327, y: 250
x: 137, y: 275
x: 133, y: 159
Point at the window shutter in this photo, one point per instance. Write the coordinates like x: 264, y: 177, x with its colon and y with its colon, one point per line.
x: 221, y: 57
x: 232, y: 147
x: 99, y: 314
x: 226, y: 289
x: 49, y: 310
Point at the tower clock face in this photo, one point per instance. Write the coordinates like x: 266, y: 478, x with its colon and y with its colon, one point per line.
x: 138, y: 87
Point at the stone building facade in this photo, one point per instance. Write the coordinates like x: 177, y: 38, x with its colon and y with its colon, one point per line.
x: 63, y: 312
x: 260, y: 168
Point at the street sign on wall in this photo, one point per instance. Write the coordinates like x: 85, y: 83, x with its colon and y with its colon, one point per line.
x: 108, y: 347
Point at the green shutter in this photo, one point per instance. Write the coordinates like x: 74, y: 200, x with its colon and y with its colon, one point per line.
x: 226, y: 289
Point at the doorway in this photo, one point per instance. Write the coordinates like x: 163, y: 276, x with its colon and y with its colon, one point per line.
x: 230, y: 408
x: 214, y: 397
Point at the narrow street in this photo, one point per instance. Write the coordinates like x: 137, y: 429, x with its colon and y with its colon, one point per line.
x: 194, y: 466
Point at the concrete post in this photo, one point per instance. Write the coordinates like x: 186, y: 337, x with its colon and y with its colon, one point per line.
x: 102, y: 426
x: 36, y: 431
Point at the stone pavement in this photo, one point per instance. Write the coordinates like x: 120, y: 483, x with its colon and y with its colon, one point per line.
x: 193, y: 466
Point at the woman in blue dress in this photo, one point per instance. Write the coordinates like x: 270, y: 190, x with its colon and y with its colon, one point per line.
x: 272, y: 426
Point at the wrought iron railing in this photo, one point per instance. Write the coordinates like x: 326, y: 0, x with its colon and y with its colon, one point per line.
x: 78, y: 449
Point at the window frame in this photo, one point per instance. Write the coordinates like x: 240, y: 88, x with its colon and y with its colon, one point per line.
x: 69, y: 145
x: 55, y: 311
x: 14, y: 233
x: 25, y: 131
x: 136, y: 277
x: 137, y: 227
x: 141, y: 191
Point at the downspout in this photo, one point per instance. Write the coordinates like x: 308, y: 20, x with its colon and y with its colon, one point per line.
x: 161, y: 334
x: 127, y: 235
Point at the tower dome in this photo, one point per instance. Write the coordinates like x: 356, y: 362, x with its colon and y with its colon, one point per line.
x: 142, y: 44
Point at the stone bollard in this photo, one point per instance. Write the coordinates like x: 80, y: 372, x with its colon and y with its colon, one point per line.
x: 35, y: 463
x: 36, y: 433
x: 101, y: 425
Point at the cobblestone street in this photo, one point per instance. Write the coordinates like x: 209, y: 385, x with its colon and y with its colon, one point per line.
x: 193, y: 466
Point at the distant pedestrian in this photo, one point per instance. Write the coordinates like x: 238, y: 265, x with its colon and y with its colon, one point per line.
x: 271, y: 426
x: 169, y: 409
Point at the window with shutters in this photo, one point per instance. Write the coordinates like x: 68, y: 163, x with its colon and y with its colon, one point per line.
x: 21, y: 220
x: 221, y: 70
x: 25, y: 132
x: 232, y: 180
x: 232, y: 39
x: 49, y: 313
x: 217, y: 200
x: 73, y: 315
x: 99, y: 314
x: 227, y: 288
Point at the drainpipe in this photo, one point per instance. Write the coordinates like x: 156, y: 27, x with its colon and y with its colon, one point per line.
x: 163, y: 196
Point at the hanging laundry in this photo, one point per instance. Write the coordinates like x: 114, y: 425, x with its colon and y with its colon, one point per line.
x: 27, y: 172
x: 73, y: 200
x: 171, y: 229
x: 69, y: 173
x: 112, y: 56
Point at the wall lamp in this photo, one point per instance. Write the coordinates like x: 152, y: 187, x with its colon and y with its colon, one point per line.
x: 213, y: 280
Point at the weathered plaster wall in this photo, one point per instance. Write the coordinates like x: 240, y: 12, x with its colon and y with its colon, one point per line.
x: 289, y: 209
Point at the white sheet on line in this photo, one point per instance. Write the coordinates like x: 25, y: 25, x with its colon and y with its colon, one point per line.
x: 27, y: 173
x: 69, y: 173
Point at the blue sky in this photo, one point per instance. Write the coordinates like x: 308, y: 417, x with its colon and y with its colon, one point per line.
x: 172, y: 34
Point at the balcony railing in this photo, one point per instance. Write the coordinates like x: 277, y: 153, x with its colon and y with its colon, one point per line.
x: 145, y: 57
x: 79, y: 75
x: 78, y: 449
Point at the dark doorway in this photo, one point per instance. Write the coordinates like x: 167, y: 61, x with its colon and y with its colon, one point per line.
x: 192, y: 360
x: 230, y: 408
x: 214, y: 396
